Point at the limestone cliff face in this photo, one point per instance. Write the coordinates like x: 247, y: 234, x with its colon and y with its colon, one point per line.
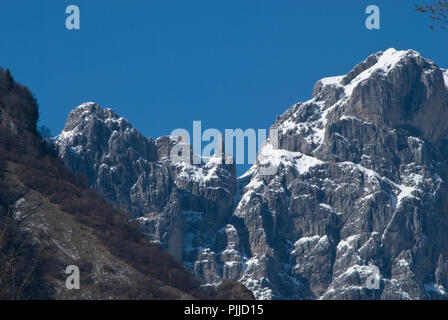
x: 360, y: 184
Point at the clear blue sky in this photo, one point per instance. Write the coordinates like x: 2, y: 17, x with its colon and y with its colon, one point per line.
x: 162, y: 64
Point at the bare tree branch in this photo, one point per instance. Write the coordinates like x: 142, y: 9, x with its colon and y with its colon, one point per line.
x: 437, y: 11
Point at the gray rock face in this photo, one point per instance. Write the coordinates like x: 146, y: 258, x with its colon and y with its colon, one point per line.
x: 360, y: 187
x: 175, y: 202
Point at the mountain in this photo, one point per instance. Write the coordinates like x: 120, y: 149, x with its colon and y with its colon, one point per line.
x: 50, y: 219
x: 359, y: 187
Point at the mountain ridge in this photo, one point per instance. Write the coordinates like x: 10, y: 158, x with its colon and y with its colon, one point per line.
x: 360, y: 182
x: 50, y: 219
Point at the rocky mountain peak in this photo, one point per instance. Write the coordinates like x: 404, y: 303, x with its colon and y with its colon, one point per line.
x: 91, y: 114
x: 137, y: 174
x: 391, y: 89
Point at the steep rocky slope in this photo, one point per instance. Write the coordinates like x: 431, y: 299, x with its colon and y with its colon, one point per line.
x: 359, y: 184
x: 50, y: 219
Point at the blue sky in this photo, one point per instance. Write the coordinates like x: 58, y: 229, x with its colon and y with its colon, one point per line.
x: 231, y: 64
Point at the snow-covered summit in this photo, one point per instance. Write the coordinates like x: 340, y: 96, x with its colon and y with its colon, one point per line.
x: 385, y: 62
